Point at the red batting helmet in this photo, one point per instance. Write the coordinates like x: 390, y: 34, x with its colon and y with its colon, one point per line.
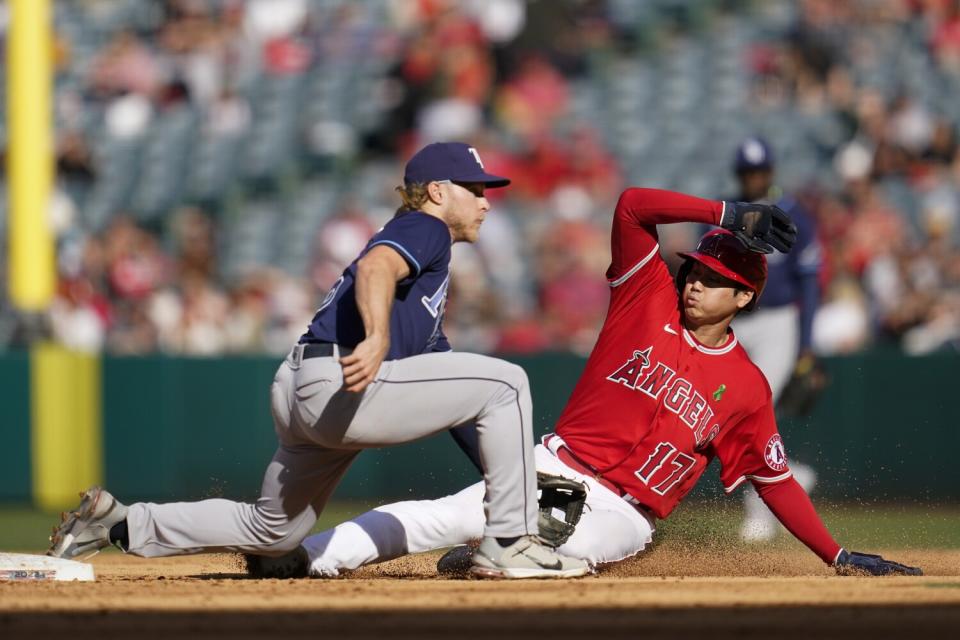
x: 724, y: 253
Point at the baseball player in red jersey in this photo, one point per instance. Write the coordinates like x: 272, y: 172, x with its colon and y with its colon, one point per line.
x: 666, y: 389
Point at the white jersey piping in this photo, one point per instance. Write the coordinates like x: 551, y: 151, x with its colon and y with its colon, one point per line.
x: 707, y: 350
x: 760, y: 479
x: 619, y: 281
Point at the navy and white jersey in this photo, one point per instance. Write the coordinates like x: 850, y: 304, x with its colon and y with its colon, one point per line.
x: 792, y: 277
x: 416, y: 320
x: 787, y: 271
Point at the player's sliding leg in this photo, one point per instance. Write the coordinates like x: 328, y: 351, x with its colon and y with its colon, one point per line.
x: 610, y: 529
x: 397, y: 529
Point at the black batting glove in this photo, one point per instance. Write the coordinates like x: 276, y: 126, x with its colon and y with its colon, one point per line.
x: 851, y: 563
x: 762, y: 227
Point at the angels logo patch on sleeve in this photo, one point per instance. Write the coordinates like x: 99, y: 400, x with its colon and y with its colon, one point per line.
x: 774, y: 453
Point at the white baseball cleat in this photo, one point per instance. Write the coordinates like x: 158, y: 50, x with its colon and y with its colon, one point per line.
x: 87, y: 528
x: 756, y: 530
x: 525, y: 558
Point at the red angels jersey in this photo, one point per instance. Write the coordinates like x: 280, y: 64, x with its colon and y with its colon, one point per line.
x: 653, y: 405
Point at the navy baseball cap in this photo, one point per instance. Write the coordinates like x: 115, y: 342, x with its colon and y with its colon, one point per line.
x: 753, y: 154
x: 454, y: 161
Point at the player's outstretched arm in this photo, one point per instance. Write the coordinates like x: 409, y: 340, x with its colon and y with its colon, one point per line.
x: 634, y: 239
x: 648, y: 207
x: 377, y: 275
x: 792, y: 506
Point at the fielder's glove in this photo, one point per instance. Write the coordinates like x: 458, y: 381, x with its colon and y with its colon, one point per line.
x: 762, y: 227
x: 563, y: 494
x: 556, y: 492
x: 804, y: 388
x: 851, y: 563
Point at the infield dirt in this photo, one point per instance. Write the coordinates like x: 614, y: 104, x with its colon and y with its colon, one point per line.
x: 672, y: 593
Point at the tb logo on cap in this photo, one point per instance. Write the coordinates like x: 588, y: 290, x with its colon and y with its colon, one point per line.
x: 476, y: 156
x: 453, y: 161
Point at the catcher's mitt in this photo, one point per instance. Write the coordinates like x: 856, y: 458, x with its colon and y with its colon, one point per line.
x: 803, y: 389
x: 564, y: 495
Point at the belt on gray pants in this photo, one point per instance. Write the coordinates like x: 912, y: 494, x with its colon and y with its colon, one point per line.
x: 318, y: 350
x: 325, y: 350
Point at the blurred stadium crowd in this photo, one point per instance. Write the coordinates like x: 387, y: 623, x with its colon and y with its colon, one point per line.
x: 220, y: 161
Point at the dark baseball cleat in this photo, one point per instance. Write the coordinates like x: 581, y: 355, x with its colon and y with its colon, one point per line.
x: 86, y: 530
x: 291, y: 565
x: 525, y: 558
x: 456, y: 562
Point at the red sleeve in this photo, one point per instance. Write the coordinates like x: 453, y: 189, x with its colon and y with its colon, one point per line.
x: 752, y: 450
x: 634, y: 239
x: 791, y: 504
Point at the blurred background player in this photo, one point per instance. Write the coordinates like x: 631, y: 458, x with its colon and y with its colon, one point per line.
x: 778, y: 334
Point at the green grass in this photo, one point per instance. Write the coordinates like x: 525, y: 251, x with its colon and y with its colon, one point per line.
x: 853, y: 525
x: 702, y: 524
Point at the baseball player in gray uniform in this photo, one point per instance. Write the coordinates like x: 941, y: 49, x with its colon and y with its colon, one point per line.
x: 373, y: 369
x: 778, y: 335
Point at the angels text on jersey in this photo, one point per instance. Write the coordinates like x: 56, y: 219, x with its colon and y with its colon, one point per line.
x: 677, y: 394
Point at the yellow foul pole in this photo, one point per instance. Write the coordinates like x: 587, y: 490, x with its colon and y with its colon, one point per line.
x: 65, y: 421
x: 31, y: 264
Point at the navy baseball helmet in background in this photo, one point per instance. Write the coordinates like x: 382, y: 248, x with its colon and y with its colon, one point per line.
x: 454, y: 161
x: 753, y: 154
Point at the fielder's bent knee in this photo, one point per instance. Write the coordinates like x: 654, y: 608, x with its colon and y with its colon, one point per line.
x: 278, y: 538
x: 496, y: 369
x: 284, y: 545
x: 513, y: 376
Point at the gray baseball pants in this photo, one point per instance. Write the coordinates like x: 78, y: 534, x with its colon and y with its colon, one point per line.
x: 771, y: 338
x: 321, y: 428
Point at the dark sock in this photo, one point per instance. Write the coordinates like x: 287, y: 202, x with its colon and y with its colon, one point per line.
x: 506, y: 542
x: 119, y: 535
